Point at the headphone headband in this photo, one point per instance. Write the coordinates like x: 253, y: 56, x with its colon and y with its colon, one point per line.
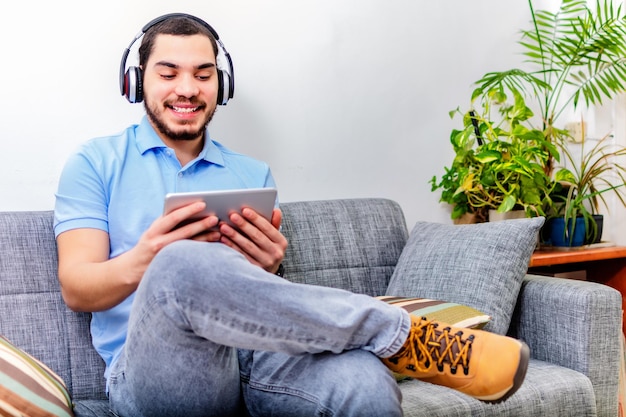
x: 160, y: 19
x: 131, y: 80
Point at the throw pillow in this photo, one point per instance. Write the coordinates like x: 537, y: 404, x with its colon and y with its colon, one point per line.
x: 480, y: 265
x: 454, y: 314
x: 28, y: 387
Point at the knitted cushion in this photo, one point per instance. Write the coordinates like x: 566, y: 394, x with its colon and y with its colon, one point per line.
x: 454, y: 314
x: 480, y: 265
x: 28, y: 387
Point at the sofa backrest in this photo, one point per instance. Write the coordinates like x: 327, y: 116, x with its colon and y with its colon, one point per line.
x: 351, y: 244
x: 32, y: 313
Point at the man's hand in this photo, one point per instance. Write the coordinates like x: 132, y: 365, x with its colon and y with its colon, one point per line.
x: 163, y: 231
x: 258, y: 239
x: 90, y: 281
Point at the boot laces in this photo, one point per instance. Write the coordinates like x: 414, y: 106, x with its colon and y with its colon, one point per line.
x: 429, y: 345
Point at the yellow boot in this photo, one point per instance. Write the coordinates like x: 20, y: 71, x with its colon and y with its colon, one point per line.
x: 485, y: 365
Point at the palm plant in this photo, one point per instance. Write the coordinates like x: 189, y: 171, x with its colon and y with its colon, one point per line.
x: 575, y: 56
x: 575, y: 53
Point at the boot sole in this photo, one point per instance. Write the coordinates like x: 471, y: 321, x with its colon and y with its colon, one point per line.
x: 518, y: 379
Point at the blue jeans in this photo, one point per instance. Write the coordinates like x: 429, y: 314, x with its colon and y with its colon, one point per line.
x: 211, y: 334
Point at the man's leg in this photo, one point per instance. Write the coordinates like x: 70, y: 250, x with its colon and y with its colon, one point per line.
x: 353, y: 383
x: 220, y: 296
x: 198, y: 300
x: 166, y: 370
x: 211, y: 295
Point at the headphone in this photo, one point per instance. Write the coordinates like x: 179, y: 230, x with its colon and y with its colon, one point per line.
x: 131, y: 80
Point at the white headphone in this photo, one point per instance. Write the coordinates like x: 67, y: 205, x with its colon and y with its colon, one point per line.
x: 131, y: 79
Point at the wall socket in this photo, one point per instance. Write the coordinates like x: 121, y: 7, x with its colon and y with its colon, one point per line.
x: 577, y: 130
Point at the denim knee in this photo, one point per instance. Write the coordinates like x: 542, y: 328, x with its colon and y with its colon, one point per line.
x: 190, y: 260
x: 181, y: 252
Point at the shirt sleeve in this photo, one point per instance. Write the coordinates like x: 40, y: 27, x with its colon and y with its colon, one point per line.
x: 81, y: 199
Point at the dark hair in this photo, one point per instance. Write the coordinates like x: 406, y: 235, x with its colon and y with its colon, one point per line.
x: 178, y: 26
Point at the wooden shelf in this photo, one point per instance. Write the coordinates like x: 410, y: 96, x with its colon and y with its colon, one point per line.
x: 561, y: 256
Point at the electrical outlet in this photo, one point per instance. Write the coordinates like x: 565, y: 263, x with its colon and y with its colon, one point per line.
x: 576, y: 131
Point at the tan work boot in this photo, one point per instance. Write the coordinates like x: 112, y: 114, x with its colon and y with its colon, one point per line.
x: 485, y: 365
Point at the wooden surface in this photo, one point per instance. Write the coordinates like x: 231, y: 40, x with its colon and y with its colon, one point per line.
x: 561, y: 256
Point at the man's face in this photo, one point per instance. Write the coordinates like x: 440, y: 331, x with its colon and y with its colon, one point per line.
x: 180, y: 86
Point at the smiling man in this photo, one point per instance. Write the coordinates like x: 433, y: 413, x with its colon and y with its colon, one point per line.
x: 182, y: 77
x: 193, y: 320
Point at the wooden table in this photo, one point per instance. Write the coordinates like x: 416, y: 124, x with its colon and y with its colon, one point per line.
x: 602, y: 263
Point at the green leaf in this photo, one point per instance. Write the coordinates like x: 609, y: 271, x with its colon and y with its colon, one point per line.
x: 507, y: 204
x: 565, y: 175
x: 487, y: 156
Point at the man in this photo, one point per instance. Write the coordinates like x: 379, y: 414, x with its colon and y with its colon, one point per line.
x: 193, y: 320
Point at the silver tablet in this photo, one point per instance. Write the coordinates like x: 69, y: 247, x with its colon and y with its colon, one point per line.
x: 223, y: 202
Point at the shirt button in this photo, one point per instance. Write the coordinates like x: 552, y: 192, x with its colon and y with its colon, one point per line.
x: 180, y: 174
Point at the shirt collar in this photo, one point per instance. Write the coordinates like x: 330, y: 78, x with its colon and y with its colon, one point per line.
x: 147, y: 139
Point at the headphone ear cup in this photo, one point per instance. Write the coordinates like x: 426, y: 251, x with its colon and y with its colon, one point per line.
x: 139, y: 88
x: 224, y: 92
x: 220, y: 87
x: 133, y: 85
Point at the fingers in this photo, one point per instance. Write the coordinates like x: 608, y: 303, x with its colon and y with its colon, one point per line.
x: 256, y: 238
x: 210, y: 236
x: 179, y: 225
x: 277, y: 218
x: 176, y: 217
x: 202, y: 229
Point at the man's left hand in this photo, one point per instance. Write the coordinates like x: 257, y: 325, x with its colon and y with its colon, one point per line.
x: 258, y: 239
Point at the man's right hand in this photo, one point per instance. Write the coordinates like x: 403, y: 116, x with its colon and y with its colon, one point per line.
x: 90, y: 281
x: 163, y: 231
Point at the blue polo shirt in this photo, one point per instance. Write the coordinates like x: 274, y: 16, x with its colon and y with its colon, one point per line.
x: 118, y: 183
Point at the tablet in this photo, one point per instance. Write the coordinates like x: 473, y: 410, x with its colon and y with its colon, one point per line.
x: 223, y: 202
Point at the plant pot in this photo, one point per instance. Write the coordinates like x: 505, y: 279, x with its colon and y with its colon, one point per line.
x: 494, y: 216
x: 599, y: 219
x: 467, y: 218
x: 554, y: 232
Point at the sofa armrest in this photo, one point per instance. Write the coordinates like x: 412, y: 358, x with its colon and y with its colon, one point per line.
x: 575, y: 324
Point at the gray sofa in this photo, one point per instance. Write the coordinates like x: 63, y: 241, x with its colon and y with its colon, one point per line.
x: 573, y: 328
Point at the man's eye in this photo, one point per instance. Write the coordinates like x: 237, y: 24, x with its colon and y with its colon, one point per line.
x: 203, y: 77
x: 167, y: 76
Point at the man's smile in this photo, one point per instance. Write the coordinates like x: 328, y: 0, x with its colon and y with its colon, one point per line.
x: 184, y: 109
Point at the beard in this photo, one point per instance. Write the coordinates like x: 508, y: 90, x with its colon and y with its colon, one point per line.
x: 155, y: 116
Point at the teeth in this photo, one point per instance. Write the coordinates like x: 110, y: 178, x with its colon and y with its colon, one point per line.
x: 184, y: 109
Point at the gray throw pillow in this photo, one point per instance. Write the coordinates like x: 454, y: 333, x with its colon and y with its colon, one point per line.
x: 480, y: 265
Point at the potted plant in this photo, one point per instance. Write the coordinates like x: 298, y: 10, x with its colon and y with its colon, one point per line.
x: 582, y: 188
x: 575, y: 55
x: 497, y: 166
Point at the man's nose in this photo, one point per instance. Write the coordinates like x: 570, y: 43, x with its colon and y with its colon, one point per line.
x: 187, y: 86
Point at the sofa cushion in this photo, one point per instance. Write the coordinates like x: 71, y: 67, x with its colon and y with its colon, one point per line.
x: 480, y: 265
x: 548, y: 390
x: 28, y: 387
x: 457, y: 315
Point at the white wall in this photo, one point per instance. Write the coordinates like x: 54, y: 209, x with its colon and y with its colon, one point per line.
x: 342, y: 98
